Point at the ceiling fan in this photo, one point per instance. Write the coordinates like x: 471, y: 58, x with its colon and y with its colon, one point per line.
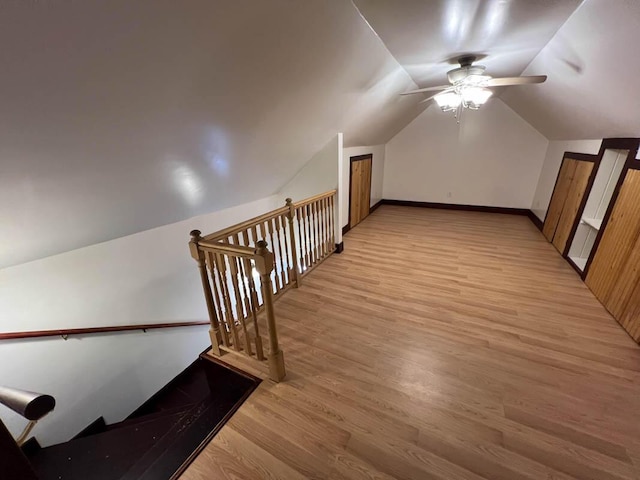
x: 470, y: 86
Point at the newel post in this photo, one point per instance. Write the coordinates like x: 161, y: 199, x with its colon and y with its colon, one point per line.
x: 264, y: 265
x: 292, y: 234
x: 198, y: 256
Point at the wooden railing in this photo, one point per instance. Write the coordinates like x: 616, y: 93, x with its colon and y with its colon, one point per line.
x: 246, y: 267
x: 314, y: 219
x: 66, y: 332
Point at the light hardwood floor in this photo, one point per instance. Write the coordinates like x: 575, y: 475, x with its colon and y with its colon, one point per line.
x: 440, y: 344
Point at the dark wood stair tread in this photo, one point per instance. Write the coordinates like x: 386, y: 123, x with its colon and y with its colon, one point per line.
x: 105, y: 456
x: 186, y: 389
x: 183, y: 409
x: 159, y: 438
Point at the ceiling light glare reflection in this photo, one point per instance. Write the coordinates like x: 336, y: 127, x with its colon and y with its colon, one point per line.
x: 448, y: 101
x: 473, y: 97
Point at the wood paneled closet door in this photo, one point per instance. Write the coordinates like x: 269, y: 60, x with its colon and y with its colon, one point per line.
x: 360, y: 189
x: 570, y: 189
x: 563, y: 183
x: 614, y: 274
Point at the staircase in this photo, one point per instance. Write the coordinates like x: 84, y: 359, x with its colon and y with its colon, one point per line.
x: 160, y: 438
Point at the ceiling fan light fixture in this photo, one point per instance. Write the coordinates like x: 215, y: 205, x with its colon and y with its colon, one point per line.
x: 474, y: 97
x: 478, y: 80
x: 448, y: 101
x: 470, y: 87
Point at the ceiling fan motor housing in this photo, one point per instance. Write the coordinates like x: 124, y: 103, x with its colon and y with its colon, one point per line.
x: 458, y: 74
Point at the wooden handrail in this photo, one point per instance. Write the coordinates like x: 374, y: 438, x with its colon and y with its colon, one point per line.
x: 241, y: 226
x: 91, y: 330
x: 315, y: 198
x: 237, y: 250
x: 245, y: 268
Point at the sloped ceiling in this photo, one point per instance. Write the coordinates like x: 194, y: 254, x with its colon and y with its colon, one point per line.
x: 120, y: 116
x: 592, y: 89
x: 426, y: 37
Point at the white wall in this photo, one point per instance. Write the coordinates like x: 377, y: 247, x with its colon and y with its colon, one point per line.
x: 320, y: 174
x: 148, y: 277
x: 591, y: 85
x: 94, y: 147
x: 493, y: 158
x: 551, y: 167
x: 377, y: 174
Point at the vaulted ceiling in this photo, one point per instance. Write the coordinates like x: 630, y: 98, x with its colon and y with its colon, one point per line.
x: 120, y: 116
x: 116, y: 117
x: 427, y: 37
x: 591, y: 62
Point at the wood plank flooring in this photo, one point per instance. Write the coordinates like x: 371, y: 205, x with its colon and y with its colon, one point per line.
x: 440, y: 345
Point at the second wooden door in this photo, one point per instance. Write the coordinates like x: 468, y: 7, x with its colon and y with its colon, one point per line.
x: 571, y: 187
x: 360, y: 189
x: 614, y: 275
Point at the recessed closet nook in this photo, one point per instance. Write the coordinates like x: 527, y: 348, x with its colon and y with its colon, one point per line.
x: 594, y: 221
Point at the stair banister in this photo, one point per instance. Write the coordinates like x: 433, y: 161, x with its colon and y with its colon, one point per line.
x: 275, y: 250
x: 198, y: 256
x: 30, y: 405
x: 264, y: 264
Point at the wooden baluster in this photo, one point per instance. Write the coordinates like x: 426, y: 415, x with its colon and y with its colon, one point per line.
x: 242, y: 236
x: 240, y: 314
x: 281, y: 224
x: 221, y: 283
x: 243, y: 292
x: 323, y: 207
x: 304, y: 257
x: 312, y: 216
x: 246, y: 294
x: 264, y: 265
x: 218, y: 298
x: 309, y: 225
x: 307, y: 246
x: 198, y: 256
x: 254, y: 234
x: 300, y: 253
x: 275, y: 247
x: 323, y: 231
x: 319, y: 228
x: 281, y: 228
x: 264, y: 235
x: 222, y: 269
x: 332, y: 217
x: 325, y: 215
x: 305, y: 231
x: 293, y: 262
x: 314, y: 229
x: 248, y: 273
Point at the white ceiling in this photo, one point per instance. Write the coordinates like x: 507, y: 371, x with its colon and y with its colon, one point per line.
x: 426, y: 36
x: 117, y: 117
x: 592, y: 90
x: 120, y: 116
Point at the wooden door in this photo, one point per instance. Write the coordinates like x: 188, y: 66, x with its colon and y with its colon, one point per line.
x: 360, y: 189
x: 630, y: 318
x: 572, y: 204
x: 563, y: 183
x: 615, y: 270
x: 566, y: 201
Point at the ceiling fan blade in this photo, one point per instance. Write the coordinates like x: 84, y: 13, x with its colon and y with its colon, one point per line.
x: 506, y: 81
x: 428, y: 89
x: 450, y: 89
x: 427, y: 99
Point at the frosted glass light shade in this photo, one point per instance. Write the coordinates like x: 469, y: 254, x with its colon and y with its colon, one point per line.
x: 448, y: 100
x: 476, y: 95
